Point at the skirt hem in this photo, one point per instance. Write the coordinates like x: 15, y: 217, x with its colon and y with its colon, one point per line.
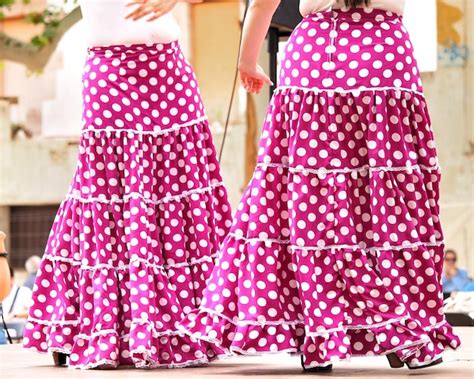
x: 407, y: 351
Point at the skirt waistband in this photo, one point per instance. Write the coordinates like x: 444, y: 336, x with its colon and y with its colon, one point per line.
x: 153, y: 48
x: 355, y: 15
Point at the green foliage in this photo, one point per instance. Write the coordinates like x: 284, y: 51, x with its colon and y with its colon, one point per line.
x: 49, y: 18
x: 8, y: 3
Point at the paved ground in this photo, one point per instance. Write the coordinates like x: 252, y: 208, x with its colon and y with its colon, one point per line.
x: 16, y: 363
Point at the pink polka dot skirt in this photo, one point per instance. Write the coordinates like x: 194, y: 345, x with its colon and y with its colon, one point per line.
x: 135, y: 240
x: 336, y: 249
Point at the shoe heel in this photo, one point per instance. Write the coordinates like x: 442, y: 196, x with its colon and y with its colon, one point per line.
x: 394, y: 361
x: 320, y: 369
x: 60, y: 359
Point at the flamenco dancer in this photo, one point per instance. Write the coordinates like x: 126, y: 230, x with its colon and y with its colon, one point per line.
x: 336, y: 249
x: 135, y: 239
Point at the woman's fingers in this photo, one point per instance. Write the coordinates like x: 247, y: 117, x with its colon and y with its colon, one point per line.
x: 138, y: 13
x: 146, y: 8
x: 254, y: 80
x: 264, y: 78
x: 132, y: 3
x: 244, y: 80
x: 162, y: 9
x: 252, y: 85
x: 156, y: 14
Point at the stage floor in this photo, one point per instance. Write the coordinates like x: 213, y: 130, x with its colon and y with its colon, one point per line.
x: 16, y: 363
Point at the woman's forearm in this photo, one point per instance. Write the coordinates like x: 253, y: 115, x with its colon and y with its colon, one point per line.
x: 255, y: 29
x: 4, y: 278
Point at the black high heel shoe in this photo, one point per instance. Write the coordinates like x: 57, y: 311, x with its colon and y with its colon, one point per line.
x: 320, y: 369
x: 394, y: 361
x: 434, y: 363
x: 60, y: 359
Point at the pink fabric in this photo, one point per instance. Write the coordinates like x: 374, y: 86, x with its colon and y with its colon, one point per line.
x: 336, y: 249
x: 135, y: 240
x: 313, y: 6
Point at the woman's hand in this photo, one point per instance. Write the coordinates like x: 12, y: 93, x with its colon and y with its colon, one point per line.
x: 253, y: 78
x: 254, y: 31
x: 155, y: 8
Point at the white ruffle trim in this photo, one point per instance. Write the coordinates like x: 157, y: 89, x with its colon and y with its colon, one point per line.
x: 73, y: 262
x: 345, y: 328
x: 53, y: 322
x: 234, y: 350
x: 324, y: 171
x: 108, y: 363
x: 355, y: 91
x: 335, y: 247
x: 152, y: 364
x: 136, y: 195
x: 104, y: 332
x: 160, y: 132
x: 250, y: 322
x: 299, y: 322
x: 103, y: 363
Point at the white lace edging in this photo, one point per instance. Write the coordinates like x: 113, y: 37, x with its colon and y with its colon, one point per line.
x: 257, y: 239
x: 101, y: 363
x: 234, y: 350
x: 104, y: 332
x: 148, y: 362
x: 98, y: 333
x: 144, y: 132
x: 345, y: 91
x: 139, y: 363
x: 345, y: 328
x: 154, y: 333
x: 299, y: 322
x: 53, y: 322
x: 136, y: 195
x: 115, y: 364
x: 73, y: 262
x: 334, y: 247
x: 238, y: 351
x: 295, y: 350
x: 251, y: 322
x: 366, y: 168
x: 370, y: 249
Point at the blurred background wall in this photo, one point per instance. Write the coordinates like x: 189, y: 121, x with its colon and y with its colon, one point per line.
x: 449, y: 91
x: 40, y: 117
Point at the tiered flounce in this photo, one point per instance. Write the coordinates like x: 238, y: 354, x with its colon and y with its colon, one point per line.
x: 336, y: 249
x: 131, y: 249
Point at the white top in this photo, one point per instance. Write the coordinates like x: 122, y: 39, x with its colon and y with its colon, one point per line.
x: 106, y: 25
x: 22, y: 302
x: 311, y: 6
